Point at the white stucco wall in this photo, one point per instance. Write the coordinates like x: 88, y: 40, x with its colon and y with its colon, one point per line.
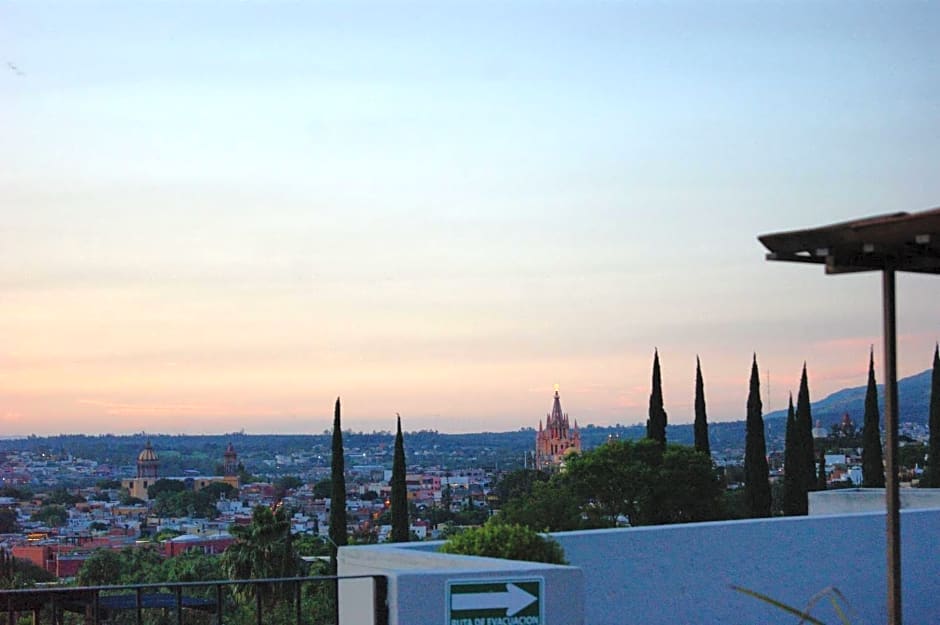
x: 678, y: 574
x: 682, y: 574
x: 851, y: 500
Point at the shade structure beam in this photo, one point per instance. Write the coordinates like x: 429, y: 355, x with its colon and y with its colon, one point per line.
x: 887, y: 243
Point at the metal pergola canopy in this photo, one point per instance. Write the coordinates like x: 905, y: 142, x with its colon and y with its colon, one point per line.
x: 885, y: 243
x: 898, y: 241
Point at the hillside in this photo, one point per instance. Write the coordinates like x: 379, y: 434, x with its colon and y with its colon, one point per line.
x: 913, y: 402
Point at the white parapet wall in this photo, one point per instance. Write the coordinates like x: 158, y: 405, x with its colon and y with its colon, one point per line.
x: 678, y: 574
x: 672, y: 574
x: 442, y: 589
x: 851, y: 500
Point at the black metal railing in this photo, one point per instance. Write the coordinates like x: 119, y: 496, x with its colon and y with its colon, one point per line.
x: 273, y: 601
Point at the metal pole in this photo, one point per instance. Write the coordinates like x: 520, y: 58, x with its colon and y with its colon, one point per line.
x: 892, y: 496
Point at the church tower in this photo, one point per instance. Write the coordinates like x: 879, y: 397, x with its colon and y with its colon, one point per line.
x: 230, y: 461
x: 147, y: 463
x: 556, y: 439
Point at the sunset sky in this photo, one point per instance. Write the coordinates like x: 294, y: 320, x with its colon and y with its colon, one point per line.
x: 220, y: 215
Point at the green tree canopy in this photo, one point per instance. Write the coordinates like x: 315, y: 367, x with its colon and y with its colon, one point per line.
x: 638, y: 480
x: 52, y: 515
x: 548, y: 506
x: 192, y: 566
x: 63, y: 497
x: 8, y: 521
x: 323, y: 488
x: 288, y: 482
x: 502, y: 540
x: 518, y: 483
x: 134, y: 565
x: 199, y: 504
x: 263, y: 548
x: 164, y: 485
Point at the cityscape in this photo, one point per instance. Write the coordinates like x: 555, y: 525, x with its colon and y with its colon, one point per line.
x: 469, y: 313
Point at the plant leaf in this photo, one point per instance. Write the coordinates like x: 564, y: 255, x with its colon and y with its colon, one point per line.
x: 804, y: 615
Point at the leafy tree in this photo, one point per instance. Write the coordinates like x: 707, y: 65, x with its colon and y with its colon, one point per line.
x: 912, y: 455
x: 932, y: 474
x: 52, y: 515
x: 134, y: 565
x: 338, y: 496
x: 399, y: 499
x: 125, y: 499
x: 217, y: 490
x: 756, y: 472
x: 17, y: 494
x: 549, y: 507
x: 701, y: 419
x: 645, y: 483
x: 108, y: 484
x: 687, y: 487
x: 192, y: 566
x: 288, y: 482
x: 198, y: 504
x: 501, y: 540
x: 141, y: 565
x: 791, y: 480
x: 263, y: 548
x: 63, y: 497
x: 873, y: 471
x: 821, y: 478
x: 164, y: 485
x: 656, y: 424
x: 518, y: 483
x: 8, y: 521
x: 323, y: 488
x: 20, y: 573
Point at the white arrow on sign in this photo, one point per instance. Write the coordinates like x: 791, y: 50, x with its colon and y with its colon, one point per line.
x: 514, y: 600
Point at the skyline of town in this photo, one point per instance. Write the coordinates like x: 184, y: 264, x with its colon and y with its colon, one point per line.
x: 218, y: 219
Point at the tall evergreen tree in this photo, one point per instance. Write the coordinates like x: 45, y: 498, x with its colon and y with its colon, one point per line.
x: 806, y: 456
x: 338, y: 492
x: 821, y: 478
x: 873, y: 470
x: 656, y: 424
x: 400, y: 527
x: 932, y: 476
x: 791, y: 489
x: 756, y: 472
x: 701, y: 419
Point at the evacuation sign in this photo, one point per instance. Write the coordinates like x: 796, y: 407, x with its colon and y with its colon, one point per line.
x: 496, y: 602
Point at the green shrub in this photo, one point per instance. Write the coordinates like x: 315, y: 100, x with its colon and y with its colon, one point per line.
x: 501, y: 540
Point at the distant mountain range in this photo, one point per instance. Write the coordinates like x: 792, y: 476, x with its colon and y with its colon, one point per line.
x: 913, y: 402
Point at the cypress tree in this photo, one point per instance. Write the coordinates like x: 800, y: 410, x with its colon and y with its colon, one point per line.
x: 701, y: 419
x: 400, y: 527
x: 873, y: 471
x: 756, y: 472
x: 791, y: 490
x: 932, y: 476
x: 805, y: 457
x: 821, y: 478
x: 338, y: 492
x: 656, y: 424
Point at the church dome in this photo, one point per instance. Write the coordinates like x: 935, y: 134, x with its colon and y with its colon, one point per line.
x: 147, y: 454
